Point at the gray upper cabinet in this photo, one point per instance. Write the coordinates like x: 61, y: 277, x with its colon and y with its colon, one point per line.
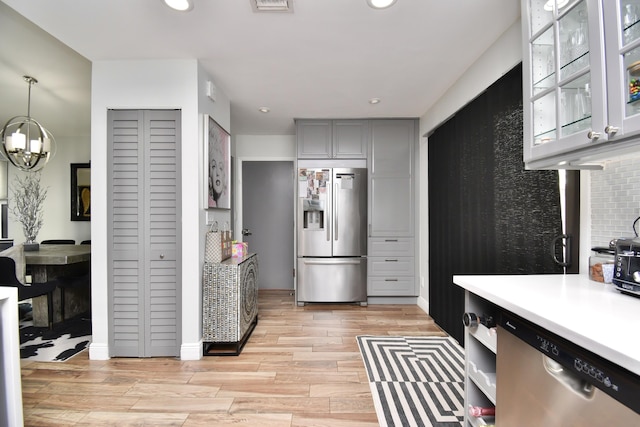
x: 391, y: 178
x: 314, y: 139
x: 350, y: 139
x: 332, y: 139
x: 581, y: 77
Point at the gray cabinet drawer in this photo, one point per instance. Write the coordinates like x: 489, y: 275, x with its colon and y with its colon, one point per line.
x: 394, y: 287
x: 391, y: 246
x: 390, y: 266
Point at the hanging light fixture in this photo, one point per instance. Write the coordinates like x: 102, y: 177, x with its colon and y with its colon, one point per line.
x: 25, y: 142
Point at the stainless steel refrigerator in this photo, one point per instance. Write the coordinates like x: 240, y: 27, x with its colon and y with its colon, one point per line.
x: 332, y: 235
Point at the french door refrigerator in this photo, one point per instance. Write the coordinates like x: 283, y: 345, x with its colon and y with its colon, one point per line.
x: 332, y: 235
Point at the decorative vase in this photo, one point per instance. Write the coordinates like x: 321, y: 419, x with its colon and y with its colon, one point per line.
x: 31, y: 244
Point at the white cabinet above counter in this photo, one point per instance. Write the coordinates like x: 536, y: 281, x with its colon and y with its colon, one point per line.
x: 581, y: 78
x: 590, y: 314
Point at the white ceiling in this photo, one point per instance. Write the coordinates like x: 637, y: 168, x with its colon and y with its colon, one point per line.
x: 326, y: 59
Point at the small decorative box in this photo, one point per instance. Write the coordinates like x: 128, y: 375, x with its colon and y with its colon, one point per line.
x: 239, y: 249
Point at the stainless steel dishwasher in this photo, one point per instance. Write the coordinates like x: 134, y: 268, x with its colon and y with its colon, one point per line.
x: 545, y: 380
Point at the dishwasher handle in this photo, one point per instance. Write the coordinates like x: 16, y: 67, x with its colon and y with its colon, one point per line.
x: 568, y: 379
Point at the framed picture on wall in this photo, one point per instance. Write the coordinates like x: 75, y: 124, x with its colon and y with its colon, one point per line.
x: 80, y: 191
x: 217, y: 150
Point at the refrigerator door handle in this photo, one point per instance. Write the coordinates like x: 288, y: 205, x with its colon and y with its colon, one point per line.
x: 328, y: 227
x: 332, y: 261
x: 335, y: 210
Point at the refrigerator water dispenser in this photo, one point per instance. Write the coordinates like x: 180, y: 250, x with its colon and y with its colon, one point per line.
x: 313, y: 214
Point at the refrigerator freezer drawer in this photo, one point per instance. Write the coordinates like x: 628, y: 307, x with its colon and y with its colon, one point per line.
x: 332, y: 280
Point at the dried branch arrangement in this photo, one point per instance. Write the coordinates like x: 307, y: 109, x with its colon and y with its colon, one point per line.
x: 28, y: 200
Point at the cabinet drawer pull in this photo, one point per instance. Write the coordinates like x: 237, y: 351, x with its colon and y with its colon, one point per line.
x: 390, y: 280
x: 391, y: 260
x: 390, y: 240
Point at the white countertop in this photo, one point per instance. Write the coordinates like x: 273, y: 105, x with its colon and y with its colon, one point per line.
x: 591, y: 314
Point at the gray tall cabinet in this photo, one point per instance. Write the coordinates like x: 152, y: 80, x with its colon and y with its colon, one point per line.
x: 391, y: 247
x: 144, y: 229
x: 389, y: 146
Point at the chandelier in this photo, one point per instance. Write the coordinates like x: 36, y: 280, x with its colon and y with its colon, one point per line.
x: 25, y: 142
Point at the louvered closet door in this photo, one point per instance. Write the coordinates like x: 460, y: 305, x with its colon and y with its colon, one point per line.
x: 144, y: 239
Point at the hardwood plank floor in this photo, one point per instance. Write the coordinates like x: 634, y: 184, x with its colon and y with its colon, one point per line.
x: 301, y: 367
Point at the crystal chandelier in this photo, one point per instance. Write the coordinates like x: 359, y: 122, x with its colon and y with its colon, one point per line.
x: 25, y: 142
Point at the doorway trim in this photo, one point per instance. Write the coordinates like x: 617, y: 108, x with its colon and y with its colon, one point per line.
x: 237, y: 233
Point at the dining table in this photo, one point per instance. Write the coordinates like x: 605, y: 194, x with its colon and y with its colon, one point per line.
x: 50, y: 262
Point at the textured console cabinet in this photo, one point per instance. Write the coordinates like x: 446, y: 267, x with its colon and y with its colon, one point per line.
x: 229, y: 304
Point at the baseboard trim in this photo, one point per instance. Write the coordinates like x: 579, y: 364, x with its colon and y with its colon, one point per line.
x: 191, y: 351
x: 392, y: 300
x: 423, y: 304
x: 98, y: 351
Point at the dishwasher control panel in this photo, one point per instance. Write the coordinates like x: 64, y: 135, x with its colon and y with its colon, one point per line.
x: 617, y: 382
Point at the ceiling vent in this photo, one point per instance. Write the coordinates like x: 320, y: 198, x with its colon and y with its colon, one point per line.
x: 272, y: 5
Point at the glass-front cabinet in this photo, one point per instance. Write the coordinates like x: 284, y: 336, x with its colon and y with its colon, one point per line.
x: 623, y: 65
x: 564, y: 81
x: 581, y: 79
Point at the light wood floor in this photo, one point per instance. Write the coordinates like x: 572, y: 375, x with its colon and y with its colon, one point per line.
x: 301, y: 367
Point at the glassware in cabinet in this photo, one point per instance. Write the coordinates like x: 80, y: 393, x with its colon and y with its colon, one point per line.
x: 629, y: 21
x: 563, y: 107
x: 575, y: 109
x: 573, y: 41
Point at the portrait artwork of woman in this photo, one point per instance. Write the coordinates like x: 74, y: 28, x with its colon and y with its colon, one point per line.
x: 218, y: 170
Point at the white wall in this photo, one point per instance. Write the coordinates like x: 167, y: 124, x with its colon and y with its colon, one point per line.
x: 615, y: 200
x: 153, y: 84
x: 25, y: 49
x: 501, y: 57
x: 56, y: 178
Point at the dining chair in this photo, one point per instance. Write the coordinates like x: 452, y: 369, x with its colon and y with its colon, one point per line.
x: 8, y: 277
x: 58, y: 242
x: 5, y: 244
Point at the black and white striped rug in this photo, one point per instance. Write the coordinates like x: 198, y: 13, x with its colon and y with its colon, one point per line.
x: 415, y: 381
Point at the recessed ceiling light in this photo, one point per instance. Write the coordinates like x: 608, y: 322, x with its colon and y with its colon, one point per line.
x: 374, y: 101
x: 180, y: 5
x: 380, y: 4
x: 264, y: 109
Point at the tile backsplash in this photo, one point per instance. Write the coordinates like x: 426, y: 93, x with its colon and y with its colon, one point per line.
x: 615, y: 200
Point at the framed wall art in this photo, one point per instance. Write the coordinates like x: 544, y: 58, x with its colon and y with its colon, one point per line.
x: 218, y: 165
x: 80, y: 191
